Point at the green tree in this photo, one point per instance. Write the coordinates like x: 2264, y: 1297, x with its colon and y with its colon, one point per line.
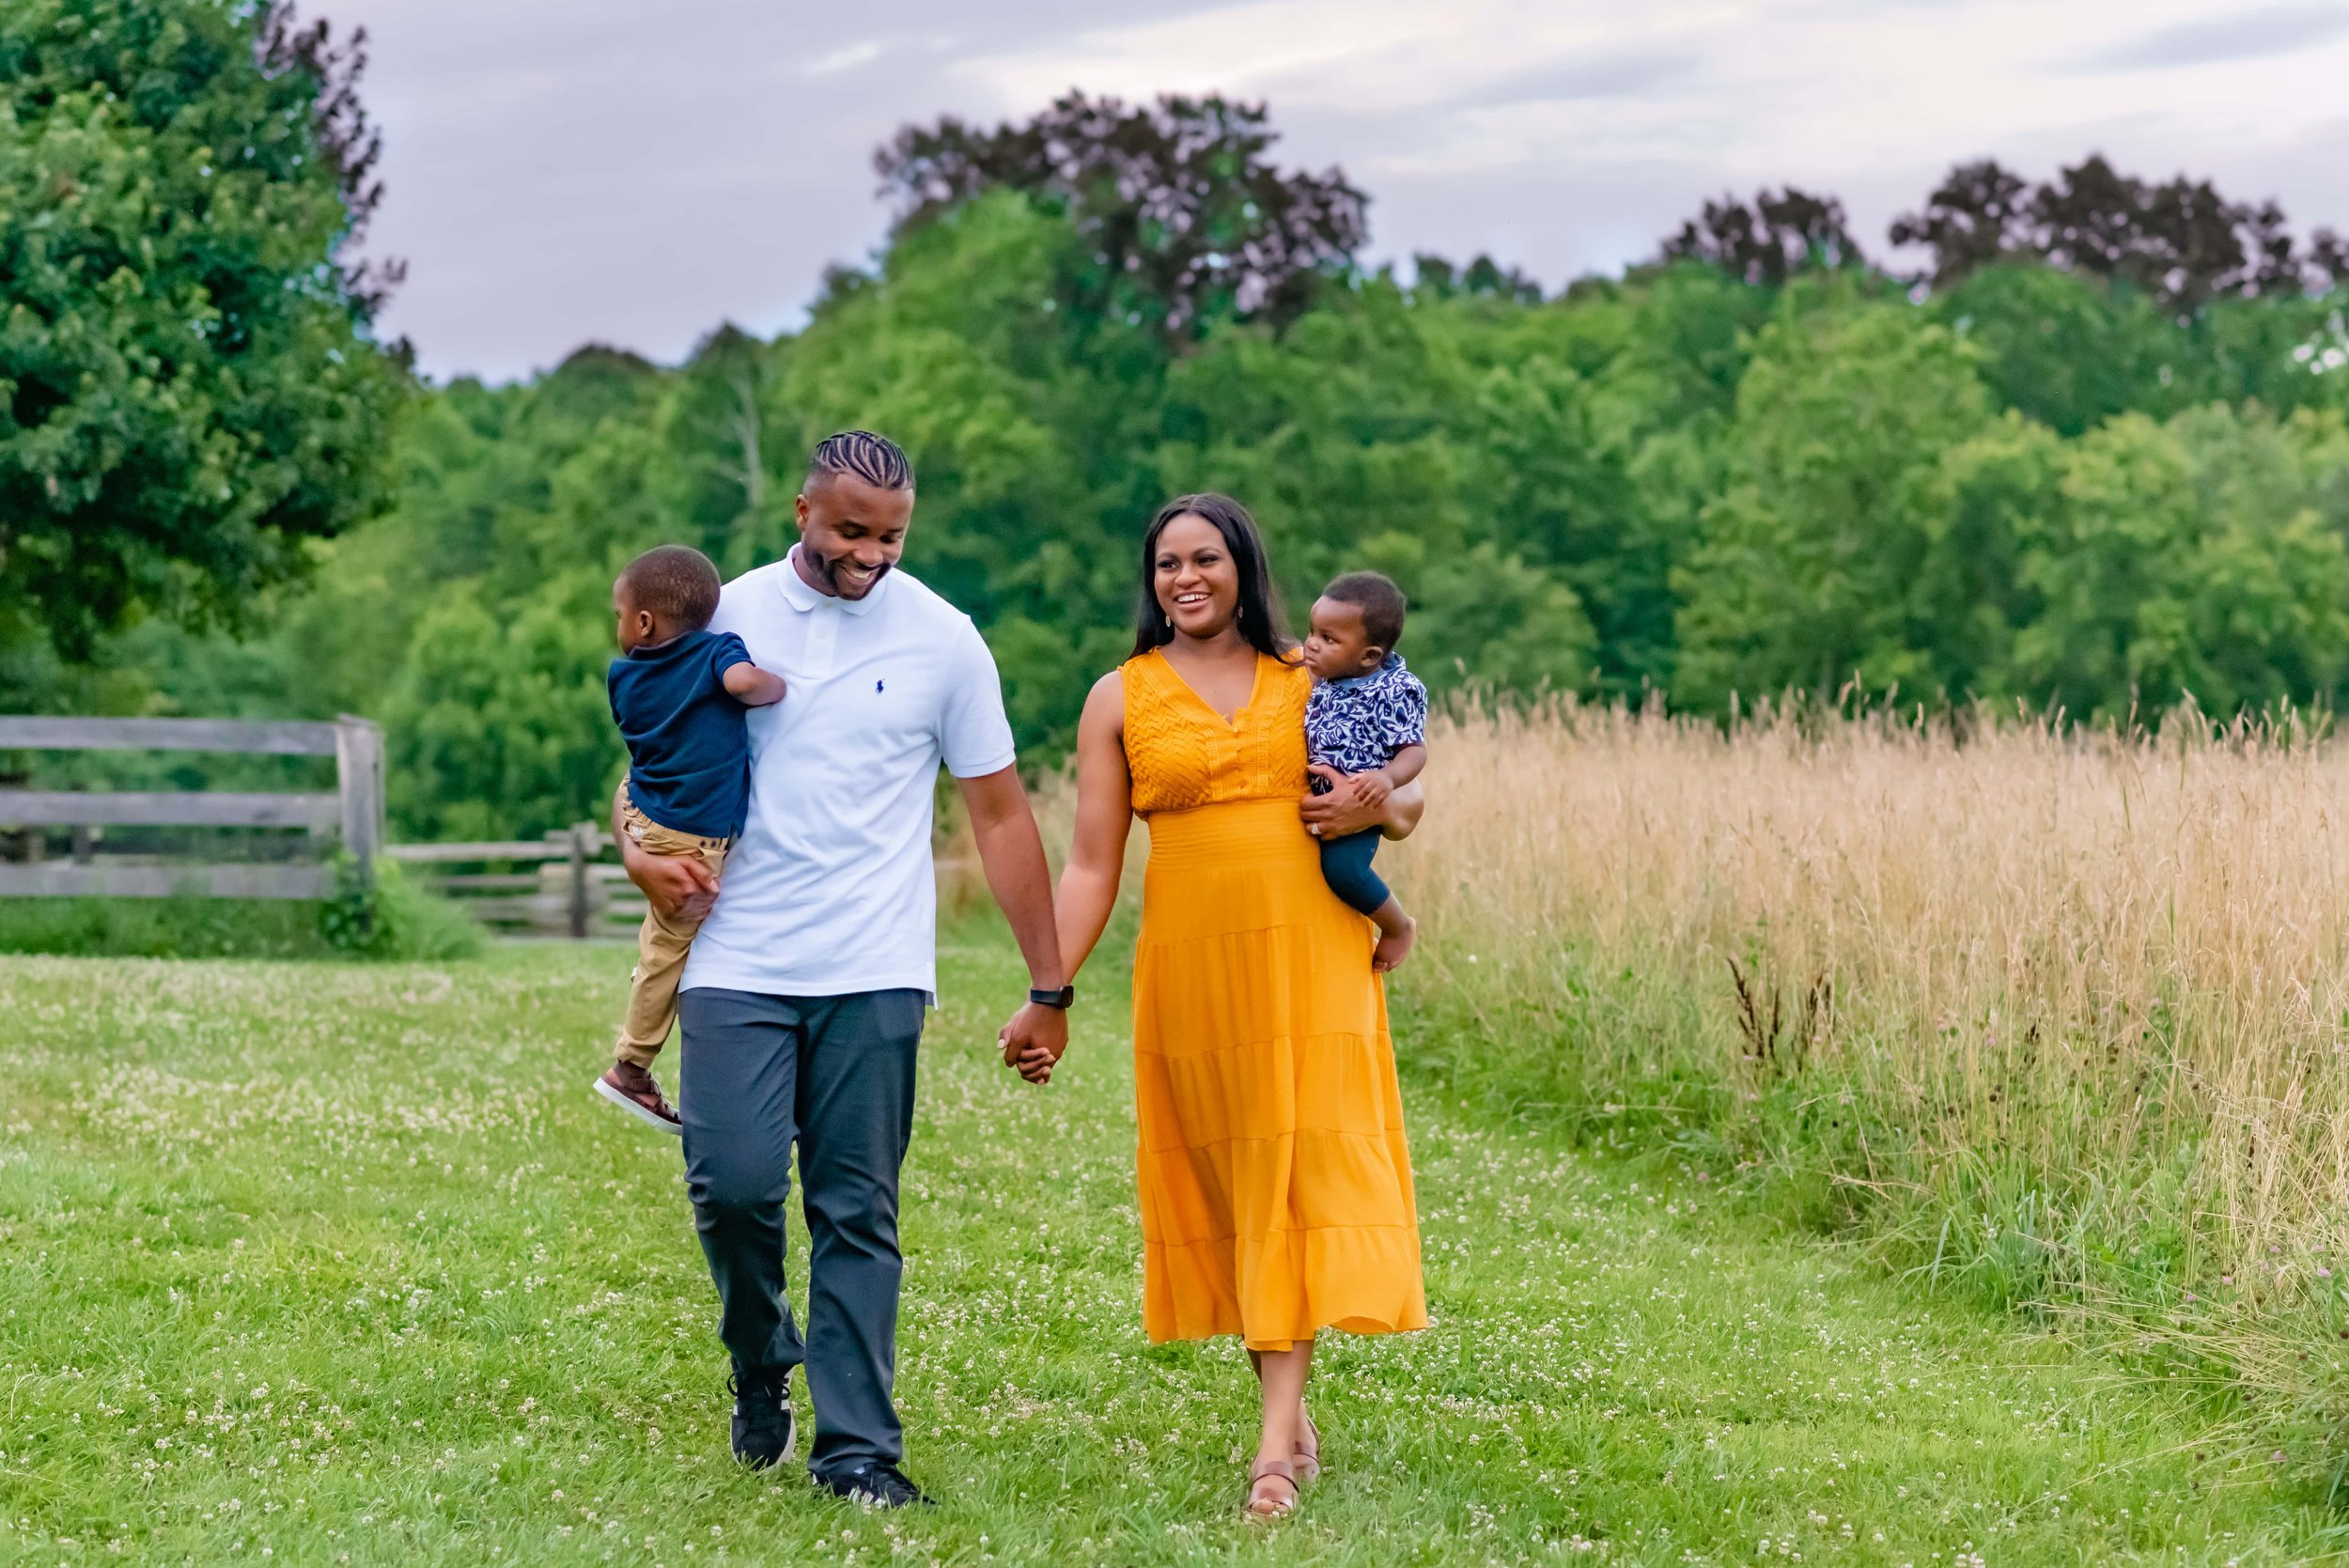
x: 191, y: 387
x: 500, y: 722
x: 2188, y: 559
x: 2037, y: 484
x: 1483, y: 618
x: 2067, y: 351
x: 721, y: 485
x: 2178, y: 241
x: 1806, y: 577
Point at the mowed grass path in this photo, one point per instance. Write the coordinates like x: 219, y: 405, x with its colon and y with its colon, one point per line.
x: 311, y: 1264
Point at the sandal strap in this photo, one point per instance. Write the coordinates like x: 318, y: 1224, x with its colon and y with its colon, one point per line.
x: 1273, y: 1506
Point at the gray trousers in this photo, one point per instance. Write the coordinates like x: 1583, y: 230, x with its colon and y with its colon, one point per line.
x: 836, y: 1072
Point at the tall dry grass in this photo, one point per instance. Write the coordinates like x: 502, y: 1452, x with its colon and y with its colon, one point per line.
x: 2066, y: 953
x: 2066, y: 1012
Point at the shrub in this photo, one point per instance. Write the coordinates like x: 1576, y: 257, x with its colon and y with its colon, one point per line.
x: 392, y: 918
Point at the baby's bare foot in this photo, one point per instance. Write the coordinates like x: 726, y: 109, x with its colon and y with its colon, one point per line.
x: 1392, y: 949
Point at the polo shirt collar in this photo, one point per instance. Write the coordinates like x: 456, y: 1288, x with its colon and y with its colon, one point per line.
x: 797, y: 594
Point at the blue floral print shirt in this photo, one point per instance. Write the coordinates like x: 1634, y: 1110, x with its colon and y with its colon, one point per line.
x: 1358, y: 724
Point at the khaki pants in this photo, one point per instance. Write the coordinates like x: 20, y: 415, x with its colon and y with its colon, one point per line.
x: 662, y: 941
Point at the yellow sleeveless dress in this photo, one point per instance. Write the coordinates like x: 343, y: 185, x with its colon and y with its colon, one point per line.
x: 1276, y: 1185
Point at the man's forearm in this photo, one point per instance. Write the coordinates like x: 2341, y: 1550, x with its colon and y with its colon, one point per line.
x: 1012, y: 852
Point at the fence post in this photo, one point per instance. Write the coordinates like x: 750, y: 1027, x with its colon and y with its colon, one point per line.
x: 359, y: 781
x: 579, y: 878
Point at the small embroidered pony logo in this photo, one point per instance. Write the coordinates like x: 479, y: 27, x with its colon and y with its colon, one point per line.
x: 877, y: 685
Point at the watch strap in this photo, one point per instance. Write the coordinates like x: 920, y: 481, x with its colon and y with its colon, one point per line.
x: 1063, y: 999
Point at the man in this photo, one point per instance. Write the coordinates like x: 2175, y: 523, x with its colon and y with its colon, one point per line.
x: 802, y: 1001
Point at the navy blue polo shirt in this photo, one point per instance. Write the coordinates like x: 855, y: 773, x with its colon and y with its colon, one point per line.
x: 689, y: 749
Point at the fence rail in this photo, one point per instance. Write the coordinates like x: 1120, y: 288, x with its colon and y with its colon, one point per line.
x: 570, y: 890
x: 76, y: 808
x: 25, y: 732
x: 350, y: 817
x: 72, y: 879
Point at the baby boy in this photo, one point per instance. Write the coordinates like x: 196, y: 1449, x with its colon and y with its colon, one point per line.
x: 1366, y: 719
x: 678, y: 690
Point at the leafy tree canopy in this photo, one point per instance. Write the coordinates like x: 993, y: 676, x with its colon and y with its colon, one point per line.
x: 2178, y: 241
x: 1783, y: 233
x: 1185, y: 217
x: 188, y: 386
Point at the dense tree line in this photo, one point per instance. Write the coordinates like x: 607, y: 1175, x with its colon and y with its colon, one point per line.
x: 2050, y: 469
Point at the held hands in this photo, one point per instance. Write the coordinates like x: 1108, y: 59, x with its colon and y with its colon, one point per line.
x: 1034, y: 1040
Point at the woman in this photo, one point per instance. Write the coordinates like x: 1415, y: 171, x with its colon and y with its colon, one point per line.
x: 1276, y: 1185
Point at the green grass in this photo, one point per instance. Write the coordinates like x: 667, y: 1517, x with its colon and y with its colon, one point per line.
x: 312, y: 1263
x: 187, y: 928
x: 401, y: 922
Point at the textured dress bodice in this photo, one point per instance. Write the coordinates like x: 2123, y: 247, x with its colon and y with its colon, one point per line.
x: 1183, y: 754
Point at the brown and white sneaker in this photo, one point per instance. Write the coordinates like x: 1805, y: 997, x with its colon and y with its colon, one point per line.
x: 633, y: 1089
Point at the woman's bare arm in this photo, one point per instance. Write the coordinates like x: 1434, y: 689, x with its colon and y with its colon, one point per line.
x: 1097, y: 854
x: 1105, y: 813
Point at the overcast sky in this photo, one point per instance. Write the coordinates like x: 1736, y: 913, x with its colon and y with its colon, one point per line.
x: 572, y: 171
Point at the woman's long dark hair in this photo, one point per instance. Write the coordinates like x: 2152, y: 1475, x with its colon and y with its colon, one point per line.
x: 1259, y: 618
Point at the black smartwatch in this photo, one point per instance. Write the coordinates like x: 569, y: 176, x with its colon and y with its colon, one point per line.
x: 1061, y: 998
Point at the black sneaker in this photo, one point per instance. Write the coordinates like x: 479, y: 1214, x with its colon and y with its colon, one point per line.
x: 763, y: 1432
x: 876, y: 1483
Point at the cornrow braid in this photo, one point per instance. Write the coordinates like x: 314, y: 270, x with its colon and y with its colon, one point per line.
x: 876, y: 460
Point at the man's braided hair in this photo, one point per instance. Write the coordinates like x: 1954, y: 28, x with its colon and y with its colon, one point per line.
x: 876, y: 460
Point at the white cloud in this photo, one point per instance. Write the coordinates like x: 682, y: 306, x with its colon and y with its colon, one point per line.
x: 845, y: 59
x: 1768, y: 83
x: 567, y: 170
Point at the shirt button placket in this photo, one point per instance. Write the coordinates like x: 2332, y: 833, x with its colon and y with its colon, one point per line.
x: 823, y: 641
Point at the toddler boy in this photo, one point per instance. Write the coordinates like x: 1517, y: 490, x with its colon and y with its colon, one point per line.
x: 1365, y: 727
x: 678, y: 694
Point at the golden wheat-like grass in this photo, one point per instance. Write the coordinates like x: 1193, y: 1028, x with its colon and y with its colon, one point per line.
x: 2052, y: 960
x: 2063, y: 954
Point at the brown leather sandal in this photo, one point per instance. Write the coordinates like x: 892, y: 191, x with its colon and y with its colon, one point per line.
x: 1308, y: 1456
x: 1265, y: 1504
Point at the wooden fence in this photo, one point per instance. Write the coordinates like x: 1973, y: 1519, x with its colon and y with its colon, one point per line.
x: 350, y: 817
x: 568, y: 883
x: 560, y: 885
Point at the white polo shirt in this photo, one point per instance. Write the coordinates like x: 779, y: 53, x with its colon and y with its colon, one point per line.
x: 830, y: 889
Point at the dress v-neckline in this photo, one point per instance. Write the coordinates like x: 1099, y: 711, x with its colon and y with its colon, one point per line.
x: 1229, y: 720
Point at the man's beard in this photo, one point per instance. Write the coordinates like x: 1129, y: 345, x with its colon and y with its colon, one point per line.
x: 832, y: 575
